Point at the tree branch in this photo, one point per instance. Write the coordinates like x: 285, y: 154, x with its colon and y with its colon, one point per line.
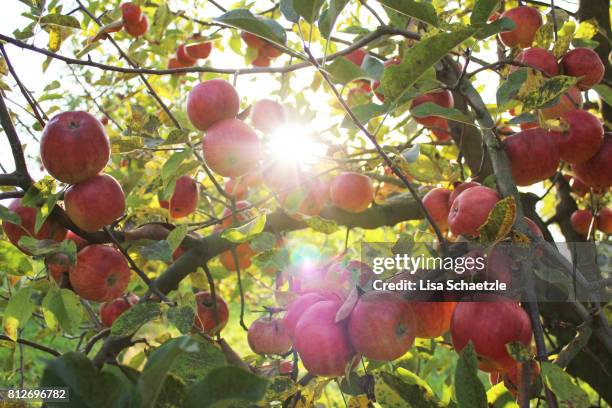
x: 20, y: 177
x: 33, y: 345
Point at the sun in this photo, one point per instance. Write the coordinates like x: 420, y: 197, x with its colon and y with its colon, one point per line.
x: 295, y: 143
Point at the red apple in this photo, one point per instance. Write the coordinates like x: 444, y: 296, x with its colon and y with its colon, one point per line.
x: 174, y: 63
x: 27, y: 215
x: 471, y: 209
x: 533, y: 227
x: 101, y: 273
x: 252, y: 40
x: 138, y: 29
x: 57, y: 265
x: 131, y: 13
x: 267, y: 335
x: 212, y: 101
x: 527, y: 20
x: 578, y: 187
x: 244, y: 213
x: 597, y: 171
x: 268, y: 115
x: 442, y: 98
x: 231, y: 148
x: 244, y: 253
x: 512, y: 377
x: 281, y: 175
x: 431, y: 319
x: 206, y: 319
x: 296, y: 309
x: 74, y: 146
x: 581, y: 221
x: 381, y: 326
x: 346, y: 275
x: 569, y: 101
x: 261, y: 61
x: 237, y: 188
x: 538, y: 58
x: 321, y: 343
x: 110, y: 311
x: 604, y: 220
x: 490, y: 323
x: 583, y: 138
x: 308, y: 199
x: 436, y: 204
x: 183, y: 57
x: 94, y: 203
x: 351, y: 192
x: 459, y: 188
x: 184, y: 200
x: 533, y: 155
x: 270, y: 51
x: 440, y: 128
x: 199, y: 50
x: 497, y: 266
x: 357, y: 56
x: 585, y: 64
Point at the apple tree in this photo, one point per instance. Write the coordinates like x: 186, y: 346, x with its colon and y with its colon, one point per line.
x: 191, y: 202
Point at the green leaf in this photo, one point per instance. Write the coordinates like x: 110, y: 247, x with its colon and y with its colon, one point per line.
x: 18, y: 311
x: 226, y: 386
x: 499, y: 25
x: 499, y: 222
x: 309, y: 9
x: 429, y: 166
x: 288, y: 11
x: 548, y: 91
x: 25, y: 33
x: 262, y: 27
x: 422, y: 11
x: 245, y: 232
x: 403, y: 391
x: 432, y: 109
x: 275, y: 259
x: 330, y: 15
x: 65, y: 306
x: 263, y: 242
x: 526, y: 117
x: 182, y: 318
x: 154, y: 250
x: 498, y: 396
x: 193, y: 366
x: 158, y: 364
x: 469, y: 390
x: 344, y: 71
x: 87, y: 386
x: 417, y: 60
x: 37, y: 194
x: 47, y: 246
x: 161, y: 19
x: 605, y: 93
x: 176, y: 236
x: 172, y: 164
x: 510, y: 87
x: 131, y: 320
x: 8, y: 215
x: 568, y: 392
x: 482, y: 11
x: 60, y: 20
x: 320, y: 224
x: 519, y: 351
x: 364, y: 113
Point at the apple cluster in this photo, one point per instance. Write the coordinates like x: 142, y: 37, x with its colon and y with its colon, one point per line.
x: 135, y: 22
x: 265, y: 51
x: 188, y: 54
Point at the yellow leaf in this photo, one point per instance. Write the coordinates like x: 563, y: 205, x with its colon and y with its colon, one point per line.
x: 587, y: 29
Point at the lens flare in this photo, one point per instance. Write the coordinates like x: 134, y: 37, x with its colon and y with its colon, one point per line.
x: 295, y: 143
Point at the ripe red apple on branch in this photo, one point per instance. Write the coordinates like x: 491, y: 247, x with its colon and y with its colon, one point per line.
x: 207, y: 321
x: 110, y: 311
x: 267, y: 335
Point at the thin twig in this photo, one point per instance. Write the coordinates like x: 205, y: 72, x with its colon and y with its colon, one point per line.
x: 135, y: 267
x: 33, y: 345
x: 38, y: 112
